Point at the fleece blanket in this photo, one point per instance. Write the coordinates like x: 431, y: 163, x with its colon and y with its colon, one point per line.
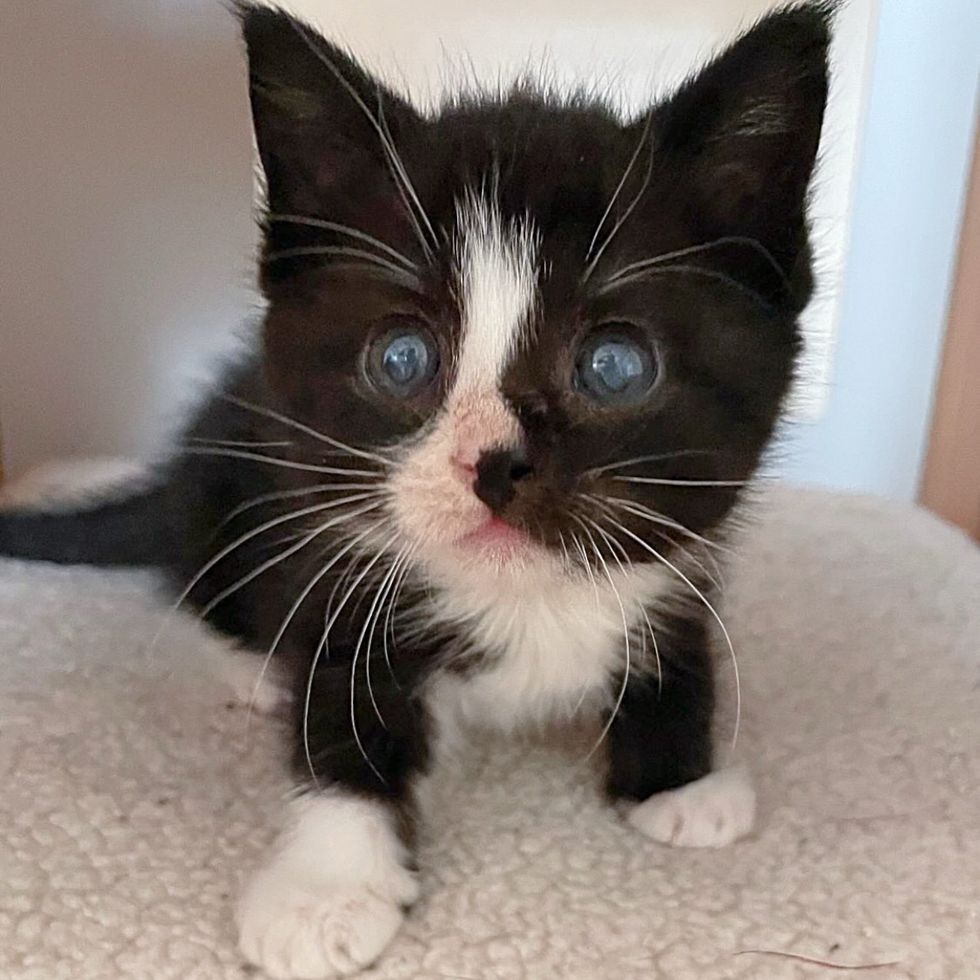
x: 135, y: 795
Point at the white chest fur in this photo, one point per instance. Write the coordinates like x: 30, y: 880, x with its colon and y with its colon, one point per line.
x: 553, y: 643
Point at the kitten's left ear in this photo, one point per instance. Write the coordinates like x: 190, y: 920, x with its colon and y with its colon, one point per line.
x: 320, y: 119
x: 743, y: 133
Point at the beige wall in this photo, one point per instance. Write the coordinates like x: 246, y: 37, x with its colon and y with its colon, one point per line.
x: 125, y: 182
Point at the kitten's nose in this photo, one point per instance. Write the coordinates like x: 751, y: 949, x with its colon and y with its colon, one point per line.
x: 497, y: 473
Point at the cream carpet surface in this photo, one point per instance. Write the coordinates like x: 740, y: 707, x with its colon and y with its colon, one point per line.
x: 135, y: 797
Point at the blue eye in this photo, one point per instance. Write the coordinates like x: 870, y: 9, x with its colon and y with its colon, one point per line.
x: 614, y: 369
x: 403, y: 361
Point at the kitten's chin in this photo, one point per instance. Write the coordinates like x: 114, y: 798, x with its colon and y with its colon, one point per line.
x: 495, y: 540
x: 490, y: 550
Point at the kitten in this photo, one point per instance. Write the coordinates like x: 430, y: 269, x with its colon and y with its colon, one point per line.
x: 518, y: 363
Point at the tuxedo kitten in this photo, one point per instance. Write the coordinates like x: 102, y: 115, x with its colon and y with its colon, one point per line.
x: 519, y: 361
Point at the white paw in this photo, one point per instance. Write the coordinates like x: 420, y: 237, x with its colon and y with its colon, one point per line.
x: 296, y: 932
x: 332, y: 896
x: 710, y: 812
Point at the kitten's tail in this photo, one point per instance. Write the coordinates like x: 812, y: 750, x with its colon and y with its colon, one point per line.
x: 125, y: 529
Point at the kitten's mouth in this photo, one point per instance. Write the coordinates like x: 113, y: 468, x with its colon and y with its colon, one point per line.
x: 496, y: 537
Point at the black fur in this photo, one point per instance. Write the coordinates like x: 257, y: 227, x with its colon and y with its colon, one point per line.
x: 660, y: 737
x: 729, y: 157
x: 127, y: 531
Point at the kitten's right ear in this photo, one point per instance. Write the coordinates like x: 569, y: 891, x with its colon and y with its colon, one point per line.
x: 743, y: 132
x: 320, y: 119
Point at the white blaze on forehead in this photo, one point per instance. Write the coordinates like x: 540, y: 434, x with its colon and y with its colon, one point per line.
x: 498, y: 282
x: 432, y: 491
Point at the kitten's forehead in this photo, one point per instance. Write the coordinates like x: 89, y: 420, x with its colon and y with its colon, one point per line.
x: 497, y: 280
x: 556, y: 164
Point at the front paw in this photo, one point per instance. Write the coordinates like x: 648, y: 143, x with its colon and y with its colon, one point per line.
x: 710, y: 812
x: 332, y: 895
x: 296, y: 929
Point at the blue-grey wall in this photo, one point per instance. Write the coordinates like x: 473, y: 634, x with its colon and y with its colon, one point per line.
x: 908, y: 204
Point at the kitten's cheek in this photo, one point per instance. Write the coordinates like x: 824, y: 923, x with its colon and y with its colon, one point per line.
x: 434, y: 508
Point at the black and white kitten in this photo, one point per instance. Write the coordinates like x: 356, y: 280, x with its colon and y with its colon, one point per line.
x: 518, y: 362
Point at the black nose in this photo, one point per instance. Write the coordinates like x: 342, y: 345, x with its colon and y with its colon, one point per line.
x: 497, y: 472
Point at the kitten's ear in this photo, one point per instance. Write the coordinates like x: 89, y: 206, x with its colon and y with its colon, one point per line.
x: 744, y: 131
x: 318, y: 116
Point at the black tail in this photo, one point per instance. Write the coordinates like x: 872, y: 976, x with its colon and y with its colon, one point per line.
x: 128, y: 530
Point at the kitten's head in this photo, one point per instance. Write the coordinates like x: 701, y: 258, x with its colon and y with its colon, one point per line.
x: 564, y: 332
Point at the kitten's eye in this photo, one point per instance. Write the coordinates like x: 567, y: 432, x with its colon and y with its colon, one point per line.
x: 614, y: 369
x: 403, y: 361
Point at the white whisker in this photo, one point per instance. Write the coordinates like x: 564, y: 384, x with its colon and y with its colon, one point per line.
x: 286, y: 464
x: 716, y: 577
x: 680, y: 253
x: 389, y: 622
x: 367, y: 548
x: 303, y: 251
x: 240, y: 443
x: 587, y: 565
x: 656, y: 650
x: 712, y: 576
x: 619, y: 187
x: 566, y: 558
x: 664, y: 482
x: 626, y: 644
x: 313, y: 667
x: 409, y: 189
x: 298, y: 219
x: 402, y: 182
x: 222, y: 554
x: 711, y: 609
x: 372, y: 617
x: 690, y: 270
x: 595, y: 589
x: 614, y: 546
x: 267, y: 498
x: 375, y: 456
x: 588, y: 568
x: 590, y: 268
x: 655, y: 457
x: 308, y: 588
x: 644, y: 512
x: 289, y: 552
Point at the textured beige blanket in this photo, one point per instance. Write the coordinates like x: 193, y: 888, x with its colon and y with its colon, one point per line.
x: 133, y: 801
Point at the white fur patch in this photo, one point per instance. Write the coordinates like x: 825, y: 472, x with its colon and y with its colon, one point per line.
x: 554, y: 640
x: 710, y: 812
x: 330, y: 899
x: 497, y: 286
